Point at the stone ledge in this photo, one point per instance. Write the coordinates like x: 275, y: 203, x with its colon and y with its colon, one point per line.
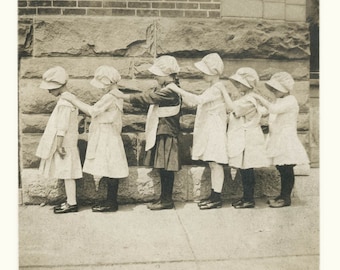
x: 191, y: 183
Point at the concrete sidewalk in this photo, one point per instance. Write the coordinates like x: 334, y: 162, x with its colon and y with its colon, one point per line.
x: 187, y: 238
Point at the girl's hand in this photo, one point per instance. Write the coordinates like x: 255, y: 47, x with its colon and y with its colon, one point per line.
x: 254, y: 95
x: 61, y: 151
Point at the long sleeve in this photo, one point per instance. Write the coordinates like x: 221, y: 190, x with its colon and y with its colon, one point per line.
x: 244, y: 106
x: 63, y: 119
x: 101, y: 105
x: 209, y: 95
x: 284, y: 105
x: 163, y: 97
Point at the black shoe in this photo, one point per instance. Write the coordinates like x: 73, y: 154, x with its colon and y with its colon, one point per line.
x: 237, y: 202
x: 203, y: 202
x: 66, y: 208
x: 105, y: 207
x: 59, y: 206
x: 269, y: 201
x: 211, y: 205
x: 161, y: 205
x: 245, y: 204
x: 280, y: 203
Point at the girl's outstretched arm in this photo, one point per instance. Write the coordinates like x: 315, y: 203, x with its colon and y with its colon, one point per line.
x: 76, y: 102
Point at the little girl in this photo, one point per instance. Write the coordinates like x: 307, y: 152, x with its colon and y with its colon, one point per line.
x: 58, y: 146
x: 209, y: 139
x: 162, y: 127
x: 246, y: 144
x: 283, y: 145
x: 105, y: 155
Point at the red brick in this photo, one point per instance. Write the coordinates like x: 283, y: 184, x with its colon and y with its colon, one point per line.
x: 99, y: 12
x: 196, y: 14
x: 27, y: 11
x: 187, y: 5
x: 22, y: 4
x: 39, y: 3
x: 115, y: 4
x: 210, y: 6
x: 49, y: 11
x: 123, y: 12
x: 214, y: 14
x: 172, y: 13
x: 139, y: 5
x: 74, y: 11
x: 147, y: 13
x: 89, y: 3
x: 163, y: 5
x: 64, y: 3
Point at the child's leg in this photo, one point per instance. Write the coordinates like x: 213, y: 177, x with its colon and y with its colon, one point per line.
x: 70, y: 189
x: 167, y: 183
x: 111, y: 204
x: 248, y: 183
x: 71, y: 202
x: 287, y: 184
x: 217, y: 179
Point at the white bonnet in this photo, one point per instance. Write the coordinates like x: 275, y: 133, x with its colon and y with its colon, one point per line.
x: 247, y: 76
x: 54, y: 78
x: 211, y: 64
x: 104, y: 76
x: 281, y: 81
x: 164, y: 66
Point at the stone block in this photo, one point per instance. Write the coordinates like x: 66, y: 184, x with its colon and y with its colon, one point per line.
x: 237, y: 38
x: 25, y: 35
x: 296, y: 13
x: 296, y: 2
x: 303, y: 122
x: 88, y: 36
x: 241, y: 8
x: 33, y: 123
x: 275, y: 11
x: 143, y: 185
x: 28, y: 147
x: 80, y: 67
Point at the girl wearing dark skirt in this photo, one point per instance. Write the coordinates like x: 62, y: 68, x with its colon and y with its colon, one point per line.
x: 162, y: 126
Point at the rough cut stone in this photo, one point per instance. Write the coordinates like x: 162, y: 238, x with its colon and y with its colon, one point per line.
x: 25, y: 36
x: 90, y: 36
x: 143, y: 184
x: 236, y: 38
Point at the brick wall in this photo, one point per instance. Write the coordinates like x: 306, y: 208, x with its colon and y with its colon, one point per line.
x: 287, y: 10
x: 144, y: 8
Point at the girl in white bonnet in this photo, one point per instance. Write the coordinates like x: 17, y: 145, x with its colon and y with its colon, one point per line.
x: 246, y: 143
x: 209, y: 139
x: 105, y: 155
x: 58, y: 146
x: 162, y: 127
x: 283, y: 145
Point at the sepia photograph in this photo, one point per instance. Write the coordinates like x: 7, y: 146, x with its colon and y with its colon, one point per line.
x: 168, y: 134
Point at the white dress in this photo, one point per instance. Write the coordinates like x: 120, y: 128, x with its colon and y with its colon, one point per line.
x: 246, y: 142
x: 210, y: 138
x: 62, y: 122
x: 105, y: 155
x: 283, y: 144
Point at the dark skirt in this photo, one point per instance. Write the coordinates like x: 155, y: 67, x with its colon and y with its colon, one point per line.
x: 164, y: 155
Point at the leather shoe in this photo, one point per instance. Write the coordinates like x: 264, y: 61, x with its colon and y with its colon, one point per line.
x: 280, y: 203
x: 161, y: 205
x: 105, y: 207
x: 238, y: 202
x: 245, y: 204
x: 66, y: 208
x: 211, y: 205
x: 269, y: 201
x: 59, y: 206
x: 203, y: 202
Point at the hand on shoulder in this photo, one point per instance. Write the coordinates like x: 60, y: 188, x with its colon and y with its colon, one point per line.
x: 68, y: 96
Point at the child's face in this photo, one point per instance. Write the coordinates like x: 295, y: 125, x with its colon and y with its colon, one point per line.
x: 162, y: 80
x: 54, y: 92
x: 277, y: 94
x: 241, y: 87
